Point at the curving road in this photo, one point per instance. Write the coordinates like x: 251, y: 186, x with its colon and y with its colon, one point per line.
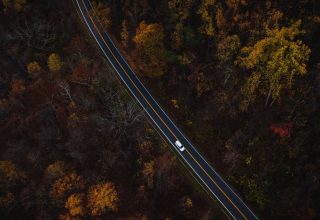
x: 206, y: 176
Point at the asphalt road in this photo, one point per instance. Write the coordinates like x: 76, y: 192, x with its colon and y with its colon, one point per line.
x: 205, y: 175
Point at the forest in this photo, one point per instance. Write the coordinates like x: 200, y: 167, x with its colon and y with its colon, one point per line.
x: 239, y: 77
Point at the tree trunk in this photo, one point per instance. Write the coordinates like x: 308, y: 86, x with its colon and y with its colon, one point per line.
x: 268, y: 97
x: 227, y: 77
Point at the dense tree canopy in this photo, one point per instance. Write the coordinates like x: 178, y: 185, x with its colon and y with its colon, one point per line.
x: 9, y: 174
x: 101, y: 11
x: 239, y: 77
x: 207, y: 16
x: 149, y: 41
x: 16, y: 5
x: 274, y: 62
x: 102, y: 197
x: 65, y: 185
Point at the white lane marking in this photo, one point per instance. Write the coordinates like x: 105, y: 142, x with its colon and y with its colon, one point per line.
x: 143, y: 106
x: 174, y: 125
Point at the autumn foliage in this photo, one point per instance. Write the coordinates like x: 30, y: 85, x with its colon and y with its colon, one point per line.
x: 102, y: 197
x: 34, y: 68
x: 239, y: 77
x: 283, y: 130
x: 17, y: 87
x: 75, y: 204
x: 149, y: 41
x: 54, y: 63
x: 65, y: 185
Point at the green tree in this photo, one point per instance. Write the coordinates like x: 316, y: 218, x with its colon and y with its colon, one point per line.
x: 101, y: 198
x: 54, y: 63
x: 149, y: 41
x: 274, y: 62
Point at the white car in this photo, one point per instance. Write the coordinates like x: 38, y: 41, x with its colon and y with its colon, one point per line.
x: 179, y: 145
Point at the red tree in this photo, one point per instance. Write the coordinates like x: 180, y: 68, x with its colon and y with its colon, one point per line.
x: 283, y: 130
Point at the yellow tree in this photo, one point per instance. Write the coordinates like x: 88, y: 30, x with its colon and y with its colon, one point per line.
x: 102, y: 197
x: 227, y: 50
x: 186, y: 205
x: 274, y: 62
x: 75, y: 204
x: 34, y: 69
x: 149, y: 41
x: 206, y: 13
x: 188, y: 202
x: 54, y: 63
x: 64, y: 186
